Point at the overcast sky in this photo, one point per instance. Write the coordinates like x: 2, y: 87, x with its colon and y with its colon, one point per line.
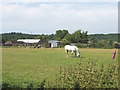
x: 46, y: 17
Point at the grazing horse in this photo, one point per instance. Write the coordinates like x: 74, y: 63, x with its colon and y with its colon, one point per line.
x: 72, y: 49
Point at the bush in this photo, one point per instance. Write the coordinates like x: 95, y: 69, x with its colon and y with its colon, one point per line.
x: 46, y: 45
x: 89, y: 76
x: 80, y: 45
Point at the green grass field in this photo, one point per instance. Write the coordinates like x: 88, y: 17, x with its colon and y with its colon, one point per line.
x: 20, y: 66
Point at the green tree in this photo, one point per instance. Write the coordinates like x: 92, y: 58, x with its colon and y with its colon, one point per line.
x: 77, y: 36
x: 84, y: 38
x: 42, y: 38
x: 64, y: 42
x: 60, y: 34
x: 93, y: 42
x: 69, y: 38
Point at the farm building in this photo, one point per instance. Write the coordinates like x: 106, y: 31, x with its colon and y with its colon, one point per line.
x: 117, y: 45
x: 53, y: 43
x: 8, y: 43
x: 29, y: 42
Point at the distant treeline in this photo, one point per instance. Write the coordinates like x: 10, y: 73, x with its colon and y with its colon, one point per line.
x: 111, y: 37
x: 81, y: 38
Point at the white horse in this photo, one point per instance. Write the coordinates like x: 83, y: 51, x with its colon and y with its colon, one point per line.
x: 72, y: 49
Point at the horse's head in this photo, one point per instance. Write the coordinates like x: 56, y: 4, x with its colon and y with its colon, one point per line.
x: 78, y: 53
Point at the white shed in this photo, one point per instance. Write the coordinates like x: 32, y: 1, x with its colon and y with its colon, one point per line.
x: 53, y: 43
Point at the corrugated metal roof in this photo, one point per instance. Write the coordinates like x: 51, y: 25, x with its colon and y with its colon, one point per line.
x: 53, y: 41
x: 29, y: 40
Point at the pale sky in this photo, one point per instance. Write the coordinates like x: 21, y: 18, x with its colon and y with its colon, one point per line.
x: 38, y: 17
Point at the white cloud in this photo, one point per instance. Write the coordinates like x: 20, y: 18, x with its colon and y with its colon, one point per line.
x: 46, y: 18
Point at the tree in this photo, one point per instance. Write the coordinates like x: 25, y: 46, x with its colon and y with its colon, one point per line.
x: 84, y: 38
x: 77, y: 36
x: 64, y: 42
x: 51, y: 37
x: 42, y: 38
x: 93, y: 42
x: 60, y: 34
x: 69, y: 38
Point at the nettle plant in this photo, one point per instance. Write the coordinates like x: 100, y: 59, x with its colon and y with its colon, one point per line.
x: 87, y: 76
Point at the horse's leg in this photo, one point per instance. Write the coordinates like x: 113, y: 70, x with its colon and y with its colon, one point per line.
x: 75, y: 53
x: 66, y: 53
x: 71, y: 53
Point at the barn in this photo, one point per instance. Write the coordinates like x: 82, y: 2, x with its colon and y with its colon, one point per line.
x: 8, y: 43
x: 53, y: 43
x: 29, y: 42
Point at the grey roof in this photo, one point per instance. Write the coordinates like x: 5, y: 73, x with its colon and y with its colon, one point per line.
x: 29, y: 40
x: 53, y: 41
x: 8, y: 42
